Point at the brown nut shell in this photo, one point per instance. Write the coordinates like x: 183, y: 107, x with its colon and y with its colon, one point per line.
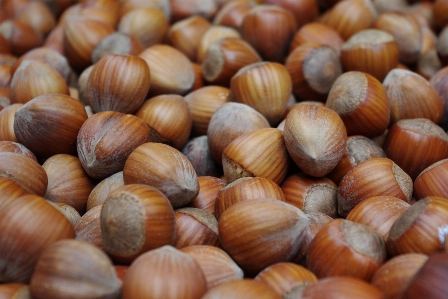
x: 195, y: 227
x: 361, y: 102
x: 165, y: 168
x: 411, y: 96
x: 66, y: 267
x: 217, y: 265
x: 108, y: 91
x: 373, y: 177
x: 142, y: 210
x: 67, y: 181
x: 197, y: 151
x: 7, y: 116
x: 15, y: 290
x: 9, y: 190
x: 371, y: 51
x: 244, y: 289
x: 15, y: 147
x: 358, y: 149
x: 225, y: 57
x: 88, y: 227
x: 245, y: 189
x: 230, y: 121
x: 165, y: 265
x: 341, y: 287
x: 186, y: 34
x: 49, y: 124
x: 316, y: 222
x: 34, y: 78
x: 116, y: 43
x: 148, y: 25
x: 406, y: 31
x: 395, y: 274
x: 311, y: 195
x: 425, y: 136
x: 50, y: 56
x: 25, y: 171
x: 315, y: 138
x: 256, y: 244
x: 80, y: 37
x: 363, y: 249
x: 203, y: 103
x: 421, y: 228
x: 102, y: 190
x: 208, y: 191
x: 348, y: 18
x: 378, y: 212
x: 21, y: 243
x: 269, y: 29
x: 169, y: 119
x: 431, y: 181
x: 265, y: 86
x: 260, y: 153
x: 286, y: 276
x: 106, y: 139
x: 171, y: 71
x: 313, y: 68
x: 316, y: 32
x: 429, y: 281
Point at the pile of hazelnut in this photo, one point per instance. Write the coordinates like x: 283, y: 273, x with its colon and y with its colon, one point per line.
x: 223, y: 149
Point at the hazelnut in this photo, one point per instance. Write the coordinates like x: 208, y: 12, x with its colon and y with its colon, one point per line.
x: 284, y: 277
x: 269, y: 29
x: 209, y: 188
x: 186, y: 34
x: 361, y: 101
x: 67, y: 181
x: 198, y: 152
x: 46, y: 80
x: 175, y: 275
x: 411, y: 96
x: 142, y: 210
x: 102, y: 190
x: 310, y: 194
x: 105, y: 91
x: 363, y: 249
x: 80, y: 37
x: 165, y: 168
x: 371, y: 51
x: 243, y: 288
x: 148, y: 25
x: 195, y: 227
x: 258, y: 233
x: 422, y: 228
x: 424, y: 135
x: 71, y: 268
x: 106, y: 139
x: 171, y: 71
x: 378, y: 212
x: 22, y: 242
x: 315, y: 138
x: 357, y: 150
x: 246, y: 188
x: 230, y: 121
x: 350, y: 17
x: 168, y: 118
x: 265, y: 86
x: 313, y: 68
x: 217, y: 266
x: 373, y: 177
x: 260, y: 153
x: 341, y: 287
